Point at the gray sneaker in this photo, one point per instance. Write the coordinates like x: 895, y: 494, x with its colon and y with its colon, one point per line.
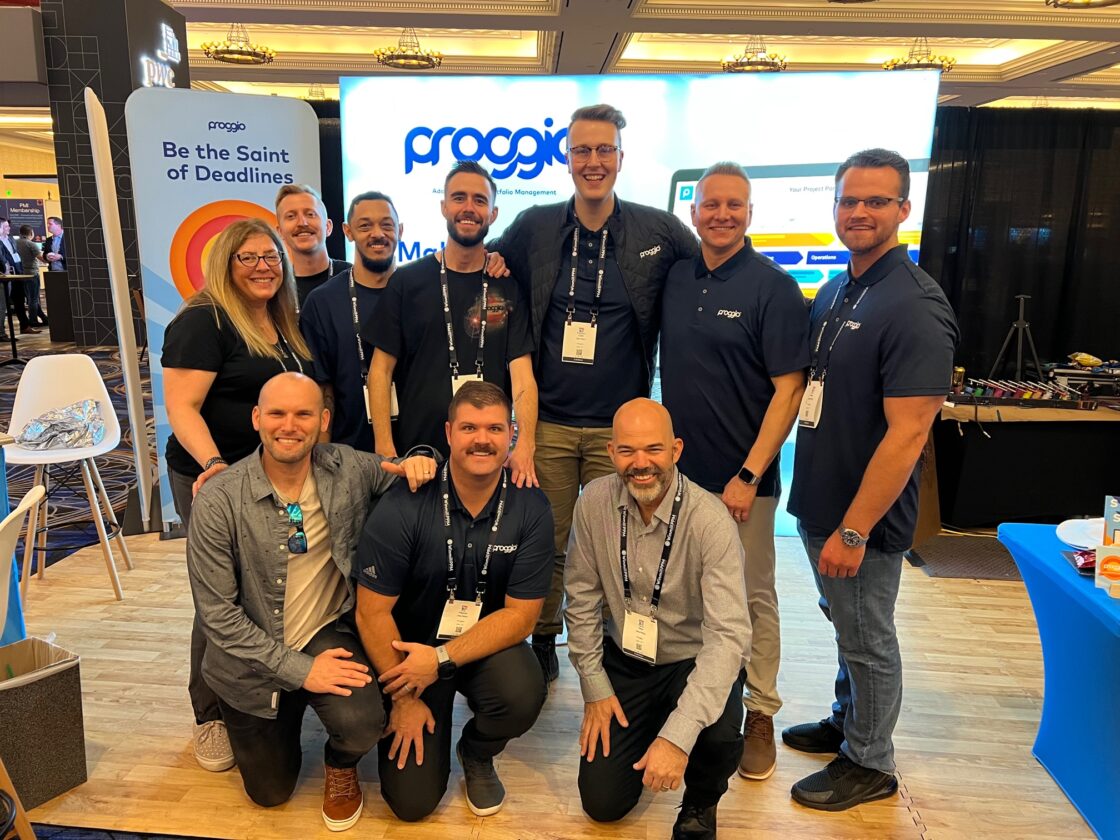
x: 485, y: 792
x: 212, y: 750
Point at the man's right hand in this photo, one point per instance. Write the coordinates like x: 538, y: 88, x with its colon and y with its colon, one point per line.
x: 408, y: 719
x: 332, y: 672
x: 597, y: 725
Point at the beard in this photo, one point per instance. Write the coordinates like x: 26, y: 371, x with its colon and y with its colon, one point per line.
x: 468, y: 241
x: 649, y: 493
x: 376, y: 266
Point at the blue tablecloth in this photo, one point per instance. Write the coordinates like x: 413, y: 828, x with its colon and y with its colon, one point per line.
x: 1079, y: 625
x: 13, y: 629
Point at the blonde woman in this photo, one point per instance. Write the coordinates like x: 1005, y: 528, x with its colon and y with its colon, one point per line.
x: 231, y: 337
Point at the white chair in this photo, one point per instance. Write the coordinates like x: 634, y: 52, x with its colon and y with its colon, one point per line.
x: 9, y: 536
x: 56, y: 381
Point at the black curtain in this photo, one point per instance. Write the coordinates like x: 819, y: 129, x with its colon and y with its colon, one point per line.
x: 1027, y: 202
x: 330, y: 172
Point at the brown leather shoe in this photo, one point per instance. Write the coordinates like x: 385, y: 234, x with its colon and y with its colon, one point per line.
x: 760, y: 756
x: 29, y: 330
x: 342, y: 797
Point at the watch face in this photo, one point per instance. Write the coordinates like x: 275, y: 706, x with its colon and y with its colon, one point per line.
x: 851, y: 538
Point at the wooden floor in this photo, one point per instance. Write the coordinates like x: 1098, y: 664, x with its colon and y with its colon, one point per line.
x: 973, y: 679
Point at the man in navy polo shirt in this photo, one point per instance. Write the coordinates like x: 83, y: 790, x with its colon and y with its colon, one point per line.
x: 882, y: 338
x: 333, y: 314
x: 452, y: 582
x: 734, y: 348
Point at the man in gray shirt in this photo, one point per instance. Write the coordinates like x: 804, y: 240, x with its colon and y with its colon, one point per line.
x: 662, y: 690
x: 269, y: 554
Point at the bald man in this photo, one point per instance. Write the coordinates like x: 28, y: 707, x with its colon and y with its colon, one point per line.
x: 662, y: 681
x: 270, y: 555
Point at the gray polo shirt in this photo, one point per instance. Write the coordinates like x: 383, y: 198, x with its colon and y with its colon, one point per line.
x: 703, y: 610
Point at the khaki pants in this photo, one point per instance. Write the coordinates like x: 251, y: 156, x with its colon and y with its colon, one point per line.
x: 568, y: 457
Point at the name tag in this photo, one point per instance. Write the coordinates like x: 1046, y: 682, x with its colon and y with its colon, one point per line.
x: 458, y: 617
x: 811, y: 404
x: 394, y: 409
x: 639, y: 636
x: 579, y: 343
x: 458, y: 382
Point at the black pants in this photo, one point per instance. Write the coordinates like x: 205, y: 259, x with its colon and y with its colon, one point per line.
x: 505, y: 691
x: 17, y: 301
x: 609, y: 786
x: 268, y: 752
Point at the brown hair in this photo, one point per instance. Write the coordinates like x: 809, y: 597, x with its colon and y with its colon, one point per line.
x: 480, y: 395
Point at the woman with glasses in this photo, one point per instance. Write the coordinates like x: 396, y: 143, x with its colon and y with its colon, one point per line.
x: 227, y: 341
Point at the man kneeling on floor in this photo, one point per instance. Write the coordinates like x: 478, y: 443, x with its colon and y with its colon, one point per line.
x: 269, y: 555
x: 663, y: 687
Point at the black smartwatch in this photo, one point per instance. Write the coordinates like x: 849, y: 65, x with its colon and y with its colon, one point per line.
x: 447, y: 666
x: 748, y: 477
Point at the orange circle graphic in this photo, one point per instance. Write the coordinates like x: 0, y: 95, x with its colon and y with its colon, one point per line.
x: 191, y: 243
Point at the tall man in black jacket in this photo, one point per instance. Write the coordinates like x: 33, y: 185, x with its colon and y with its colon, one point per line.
x: 593, y: 268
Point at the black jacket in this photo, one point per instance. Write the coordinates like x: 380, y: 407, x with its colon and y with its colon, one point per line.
x: 647, y: 242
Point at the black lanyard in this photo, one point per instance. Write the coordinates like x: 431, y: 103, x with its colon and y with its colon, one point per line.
x: 835, y: 338
x: 288, y: 352
x: 452, y: 577
x: 598, y: 281
x: 357, y: 325
x: 658, y: 581
x: 452, y: 356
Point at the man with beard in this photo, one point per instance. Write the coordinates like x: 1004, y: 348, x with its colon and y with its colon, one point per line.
x: 443, y: 322
x: 269, y: 555
x: 333, y: 314
x: 302, y: 223
x: 452, y: 580
x: 882, y: 337
x: 663, y: 686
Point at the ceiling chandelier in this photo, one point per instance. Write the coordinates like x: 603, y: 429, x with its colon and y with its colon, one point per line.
x: 1081, y: 4
x: 316, y: 91
x: 237, y: 49
x: 407, y: 54
x: 921, y: 57
x: 754, y: 59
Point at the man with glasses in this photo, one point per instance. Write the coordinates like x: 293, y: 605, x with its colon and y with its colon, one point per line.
x: 269, y: 555
x: 302, y: 223
x: 882, y: 337
x: 593, y: 268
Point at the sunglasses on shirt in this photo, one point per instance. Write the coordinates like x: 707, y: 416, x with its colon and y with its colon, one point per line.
x: 297, y: 542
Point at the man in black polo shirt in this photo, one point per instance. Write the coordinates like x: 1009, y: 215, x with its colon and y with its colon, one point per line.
x: 882, y: 338
x: 302, y: 223
x: 433, y: 332
x: 452, y: 582
x: 734, y: 348
x: 593, y: 268
x: 332, y: 316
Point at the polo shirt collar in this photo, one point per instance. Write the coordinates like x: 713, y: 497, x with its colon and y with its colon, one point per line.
x: 322, y: 457
x: 614, y: 218
x: 664, y: 510
x: 487, y: 511
x: 727, y: 270
x: 882, y: 267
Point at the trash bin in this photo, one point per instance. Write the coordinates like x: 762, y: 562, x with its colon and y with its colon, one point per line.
x: 42, y: 736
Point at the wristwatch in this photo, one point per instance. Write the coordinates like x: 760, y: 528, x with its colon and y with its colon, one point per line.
x: 851, y: 537
x: 447, y: 666
x: 748, y: 477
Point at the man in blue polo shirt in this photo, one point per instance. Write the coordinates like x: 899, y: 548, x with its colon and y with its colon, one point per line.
x: 882, y: 338
x: 734, y: 348
x: 333, y: 314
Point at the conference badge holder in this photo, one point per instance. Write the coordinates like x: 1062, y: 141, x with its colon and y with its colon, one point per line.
x: 639, y: 636
x: 812, y: 402
x: 394, y: 408
x: 579, y: 342
x: 458, y: 382
x: 458, y: 617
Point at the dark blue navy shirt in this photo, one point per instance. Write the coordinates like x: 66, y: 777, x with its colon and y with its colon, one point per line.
x: 327, y: 323
x: 725, y: 333
x: 402, y: 553
x: 588, y: 395
x: 898, y: 342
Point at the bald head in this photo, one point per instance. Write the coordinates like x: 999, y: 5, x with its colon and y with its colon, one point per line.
x: 644, y: 449
x: 643, y: 416
x: 290, y: 417
x: 291, y: 387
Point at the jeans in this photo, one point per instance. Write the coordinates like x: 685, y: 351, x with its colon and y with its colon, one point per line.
x: 869, y: 680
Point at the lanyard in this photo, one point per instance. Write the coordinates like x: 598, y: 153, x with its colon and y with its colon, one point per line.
x: 452, y: 356
x: 598, y: 281
x: 357, y: 325
x: 623, y: 518
x: 835, y: 338
x: 452, y: 577
x: 287, y: 351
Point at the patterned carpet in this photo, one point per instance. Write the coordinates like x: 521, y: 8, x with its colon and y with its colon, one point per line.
x: 52, y: 832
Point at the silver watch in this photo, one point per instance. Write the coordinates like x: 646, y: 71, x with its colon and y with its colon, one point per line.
x: 852, y: 538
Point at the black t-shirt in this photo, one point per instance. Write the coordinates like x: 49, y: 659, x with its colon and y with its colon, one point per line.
x: 203, y: 338
x: 895, y: 335
x: 573, y: 394
x: 306, y: 285
x: 327, y: 323
x: 725, y: 334
x: 409, y: 325
x: 403, y: 553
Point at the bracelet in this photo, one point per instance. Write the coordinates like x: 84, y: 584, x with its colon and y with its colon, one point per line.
x: 217, y: 459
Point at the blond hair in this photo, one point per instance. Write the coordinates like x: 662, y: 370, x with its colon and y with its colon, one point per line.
x: 221, y: 294
x: 299, y: 189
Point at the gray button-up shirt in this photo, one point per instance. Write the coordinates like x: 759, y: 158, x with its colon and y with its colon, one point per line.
x: 703, y: 610
x: 237, y: 558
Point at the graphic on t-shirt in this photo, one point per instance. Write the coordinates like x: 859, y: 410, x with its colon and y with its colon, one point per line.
x: 498, y: 310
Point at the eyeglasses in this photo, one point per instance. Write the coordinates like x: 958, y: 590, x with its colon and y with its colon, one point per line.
x: 604, y: 152
x: 297, y: 542
x: 875, y: 202
x: 271, y: 259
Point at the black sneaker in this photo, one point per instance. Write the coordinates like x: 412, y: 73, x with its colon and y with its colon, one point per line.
x: 695, y: 822
x: 820, y: 737
x: 843, y: 784
x: 545, y: 649
x: 485, y: 792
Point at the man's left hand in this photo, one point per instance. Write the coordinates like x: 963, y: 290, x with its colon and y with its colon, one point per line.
x: 838, y: 560
x: 419, y: 470
x: 523, y: 469
x: 738, y: 496
x: 417, y: 672
x: 664, y: 764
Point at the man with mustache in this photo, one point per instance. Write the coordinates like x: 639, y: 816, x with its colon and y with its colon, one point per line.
x: 663, y: 685
x: 451, y: 582
x: 443, y: 322
x: 333, y: 314
x: 302, y: 223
